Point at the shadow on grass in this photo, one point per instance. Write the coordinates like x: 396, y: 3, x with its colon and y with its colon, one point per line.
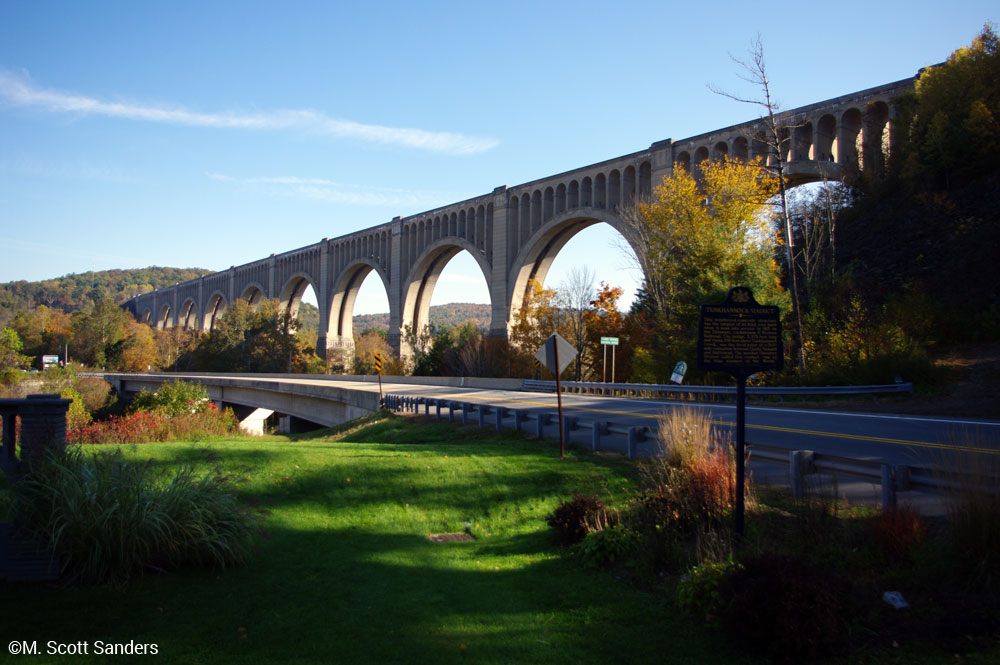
x: 345, y: 572
x: 356, y: 595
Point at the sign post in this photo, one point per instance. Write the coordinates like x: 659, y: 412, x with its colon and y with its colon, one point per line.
x: 556, y: 354
x: 606, y: 342
x: 378, y: 370
x: 740, y: 336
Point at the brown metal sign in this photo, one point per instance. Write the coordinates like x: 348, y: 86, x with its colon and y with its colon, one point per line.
x: 740, y: 336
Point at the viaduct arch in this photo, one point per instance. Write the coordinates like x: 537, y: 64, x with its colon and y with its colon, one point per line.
x: 514, y: 233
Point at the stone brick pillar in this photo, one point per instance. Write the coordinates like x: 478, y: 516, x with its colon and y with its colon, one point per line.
x: 43, y: 424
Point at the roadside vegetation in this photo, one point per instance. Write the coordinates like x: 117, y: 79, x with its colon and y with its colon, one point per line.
x: 321, y: 542
x: 813, y: 578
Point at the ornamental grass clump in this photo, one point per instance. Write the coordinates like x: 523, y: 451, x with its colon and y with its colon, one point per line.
x: 109, y: 519
x: 693, y: 465
x: 689, y: 491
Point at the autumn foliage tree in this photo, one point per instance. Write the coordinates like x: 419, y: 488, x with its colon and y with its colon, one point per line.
x: 603, y: 319
x: 254, y: 338
x: 43, y: 330
x: 538, y: 317
x: 706, y: 235
x: 951, y: 120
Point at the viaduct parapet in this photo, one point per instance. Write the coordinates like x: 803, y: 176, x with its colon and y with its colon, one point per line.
x: 514, y: 233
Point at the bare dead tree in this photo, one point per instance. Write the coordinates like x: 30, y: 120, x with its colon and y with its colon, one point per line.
x: 648, y: 250
x: 814, y: 226
x: 577, y: 293
x: 775, y: 137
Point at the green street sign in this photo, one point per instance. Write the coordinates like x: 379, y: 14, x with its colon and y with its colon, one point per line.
x: 610, y: 341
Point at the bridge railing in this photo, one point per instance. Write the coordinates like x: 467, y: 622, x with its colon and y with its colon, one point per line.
x: 714, y: 393
x: 640, y: 441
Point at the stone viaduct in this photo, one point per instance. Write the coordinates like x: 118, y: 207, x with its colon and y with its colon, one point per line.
x: 514, y: 233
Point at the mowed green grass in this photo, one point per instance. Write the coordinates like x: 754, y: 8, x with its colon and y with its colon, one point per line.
x: 345, y: 572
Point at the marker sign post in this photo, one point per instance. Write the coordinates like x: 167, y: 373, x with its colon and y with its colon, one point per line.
x: 606, y: 342
x: 741, y: 337
x: 378, y: 369
x: 556, y: 354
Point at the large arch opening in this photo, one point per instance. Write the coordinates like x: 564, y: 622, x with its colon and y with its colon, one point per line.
x: 361, y: 290
x: 291, y: 295
x: 165, y: 319
x: 298, y: 299
x: 189, y: 316
x: 253, y: 294
x: 596, y: 241
x: 458, y: 283
x: 461, y: 284
x: 213, y: 311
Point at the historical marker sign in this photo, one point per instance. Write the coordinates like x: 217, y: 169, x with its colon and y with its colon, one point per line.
x: 740, y: 336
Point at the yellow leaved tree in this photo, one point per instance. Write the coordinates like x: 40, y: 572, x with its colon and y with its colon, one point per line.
x: 702, y: 236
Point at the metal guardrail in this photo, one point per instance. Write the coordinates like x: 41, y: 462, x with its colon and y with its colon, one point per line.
x: 598, y: 429
x: 692, y: 393
x: 891, y: 478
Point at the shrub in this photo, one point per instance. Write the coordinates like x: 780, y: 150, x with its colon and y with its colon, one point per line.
x: 145, y: 426
x: 173, y: 398
x: 96, y: 395
x: 77, y: 416
x: 575, y: 518
x: 897, y: 532
x: 132, y: 428
x: 607, y: 546
x: 698, y: 592
x: 109, y: 519
x: 10, y: 376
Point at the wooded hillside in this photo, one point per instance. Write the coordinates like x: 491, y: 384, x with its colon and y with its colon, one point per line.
x: 71, y: 293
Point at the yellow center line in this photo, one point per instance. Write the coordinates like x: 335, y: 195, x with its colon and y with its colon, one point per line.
x: 775, y: 428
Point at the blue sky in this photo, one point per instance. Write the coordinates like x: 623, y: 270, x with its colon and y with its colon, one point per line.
x: 207, y: 134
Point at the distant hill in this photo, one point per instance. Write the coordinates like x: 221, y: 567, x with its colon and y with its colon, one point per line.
x: 78, y: 291
x: 452, y: 314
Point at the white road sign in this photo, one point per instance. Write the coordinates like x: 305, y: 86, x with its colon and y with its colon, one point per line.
x: 547, y: 353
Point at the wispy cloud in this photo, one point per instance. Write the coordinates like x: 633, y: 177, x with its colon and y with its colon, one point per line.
x: 338, y: 192
x: 50, y: 249
x: 20, y: 91
x: 75, y: 170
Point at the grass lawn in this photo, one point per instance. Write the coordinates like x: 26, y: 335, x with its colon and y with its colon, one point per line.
x: 345, y: 572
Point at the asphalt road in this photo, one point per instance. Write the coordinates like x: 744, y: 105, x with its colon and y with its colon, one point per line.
x: 891, y: 438
x: 895, y: 439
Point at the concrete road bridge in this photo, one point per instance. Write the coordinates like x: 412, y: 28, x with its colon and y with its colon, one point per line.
x: 514, y: 233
